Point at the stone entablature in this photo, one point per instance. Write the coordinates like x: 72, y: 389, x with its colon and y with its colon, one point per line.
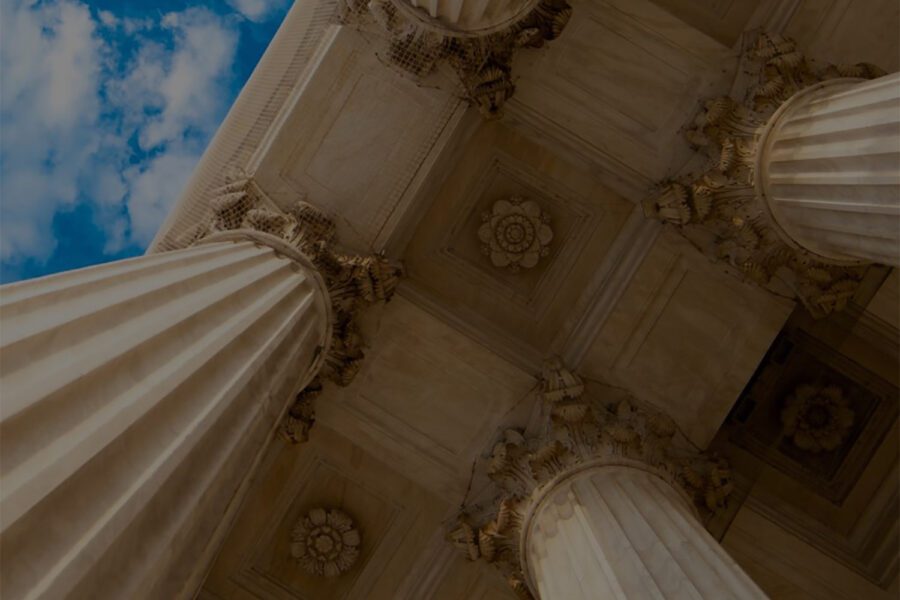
x: 480, y: 53
x: 581, y: 431
x: 722, y: 211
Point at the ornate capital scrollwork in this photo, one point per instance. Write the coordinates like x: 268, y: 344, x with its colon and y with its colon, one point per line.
x: 354, y: 282
x: 721, y: 209
x: 580, y: 430
x: 480, y: 57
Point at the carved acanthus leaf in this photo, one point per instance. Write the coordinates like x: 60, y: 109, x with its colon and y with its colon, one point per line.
x: 721, y: 205
x: 602, y: 429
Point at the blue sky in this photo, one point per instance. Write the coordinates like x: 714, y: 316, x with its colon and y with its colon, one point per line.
x: 105, y: 108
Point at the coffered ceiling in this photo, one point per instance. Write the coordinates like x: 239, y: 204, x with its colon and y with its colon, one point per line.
x: 404, y: 165
x: 522, y: 310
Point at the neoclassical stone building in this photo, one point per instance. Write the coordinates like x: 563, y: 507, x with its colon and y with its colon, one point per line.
x: 471, y: 299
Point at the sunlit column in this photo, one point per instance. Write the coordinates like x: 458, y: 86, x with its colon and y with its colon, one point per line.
x: 622, y: 532
x: 136, y: 397
x: 829, y: 169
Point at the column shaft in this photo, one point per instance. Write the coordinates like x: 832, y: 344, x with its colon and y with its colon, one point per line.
x: 829, y: 169
x: 137, y: 396
x: 622, y: 532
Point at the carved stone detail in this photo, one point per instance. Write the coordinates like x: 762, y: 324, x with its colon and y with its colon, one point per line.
x: 817, y: 418
x: 579, y: 431
x: 482, y: 63
x: 516, y: 233
x: 302, y: 415
x: 720, y: 209
x: 325, y: 542
x: 354, y: 282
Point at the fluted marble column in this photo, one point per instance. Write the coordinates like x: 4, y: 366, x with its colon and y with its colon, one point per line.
x: 623, y: 532
x: 829, y: 169
x: 136, y: 397
x: 602, y: 500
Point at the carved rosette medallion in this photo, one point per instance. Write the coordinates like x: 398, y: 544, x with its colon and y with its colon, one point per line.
x: 477, y: 41
x: 516, y: 233
x: 579, y: 431
x: 720, y: 210
x: 817, y: 418
x: 325, y: 542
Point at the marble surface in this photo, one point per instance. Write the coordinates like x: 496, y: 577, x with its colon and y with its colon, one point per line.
x: 787, y: 568
x: 722, y: 20
x: 616, y: 88
x: 352, y: 138
x: 848, y: 31
x: 429, y: 398
x: 396, y: 518
x: 469, y: 16
x: 518, y: 315
x: 685, y: 336
x: 885, y: 305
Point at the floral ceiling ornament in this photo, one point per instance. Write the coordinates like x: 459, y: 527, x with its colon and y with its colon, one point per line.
x: 817, y: 418
x: 719, y: 208
x: 325, y: 542
x: 516, y: 233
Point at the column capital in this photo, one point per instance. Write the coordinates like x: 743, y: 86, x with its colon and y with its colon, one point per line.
x: 477, y: 43
x: 580, y: 431
x: 722, y: 208
x: 241, y: 210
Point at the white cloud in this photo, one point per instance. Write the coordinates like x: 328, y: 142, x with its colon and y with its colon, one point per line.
x: 49, y: 60
x: 71, y: 105
x: 256, y: 10
x: 154, y: 188
x: 204, y: 53
x: 108, y: 19
x: 185, y: 87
